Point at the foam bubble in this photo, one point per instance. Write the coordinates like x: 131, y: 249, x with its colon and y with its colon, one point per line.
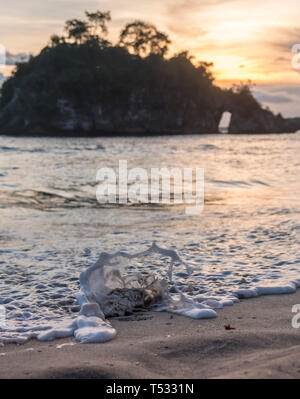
x: 97, y: 334
x: 63, y: 330
x: 246, y: 293
x: 276, y: 289
x: 195, y: 312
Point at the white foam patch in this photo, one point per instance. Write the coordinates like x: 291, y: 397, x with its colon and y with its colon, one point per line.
x: 195, y: 312
x: 99, y: 334
x: 246, y: 293
x: 270, y: 289
x: 276, y: 290
x: 63, y: 330
x: 213, y: 303
x: 93, y: 329
x: 64, y: 345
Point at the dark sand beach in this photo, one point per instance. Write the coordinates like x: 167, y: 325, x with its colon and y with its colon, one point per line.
x: 160, y: 345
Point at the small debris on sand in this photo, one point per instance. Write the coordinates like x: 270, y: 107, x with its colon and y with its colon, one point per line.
x: 228, y: 327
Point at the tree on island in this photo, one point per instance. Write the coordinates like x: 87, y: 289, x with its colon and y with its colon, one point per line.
x: 143, y: 39
x: 97, y: 22
x: 76, y: 30
x: 139, y: 38
x: 79, y: 31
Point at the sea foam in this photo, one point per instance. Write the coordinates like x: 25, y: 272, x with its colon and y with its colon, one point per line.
x: 108, y: 290
x: 104, y: 287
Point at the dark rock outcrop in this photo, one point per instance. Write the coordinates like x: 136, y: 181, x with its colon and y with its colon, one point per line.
x: 82, y: 90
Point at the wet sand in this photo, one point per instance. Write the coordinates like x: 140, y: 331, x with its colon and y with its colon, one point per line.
x: 160, y: 345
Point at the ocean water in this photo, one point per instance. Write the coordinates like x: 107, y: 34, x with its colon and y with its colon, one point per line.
x: 52, y: 227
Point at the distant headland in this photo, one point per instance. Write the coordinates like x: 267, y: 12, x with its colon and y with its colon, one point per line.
x: 81, y: 84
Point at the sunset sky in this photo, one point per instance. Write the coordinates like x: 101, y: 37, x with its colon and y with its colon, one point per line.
x: 245, y: 39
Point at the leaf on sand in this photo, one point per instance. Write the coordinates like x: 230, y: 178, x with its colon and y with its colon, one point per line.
x: 228, y: 327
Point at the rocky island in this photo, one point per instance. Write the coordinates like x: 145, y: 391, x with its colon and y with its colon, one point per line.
x: 81, y: 84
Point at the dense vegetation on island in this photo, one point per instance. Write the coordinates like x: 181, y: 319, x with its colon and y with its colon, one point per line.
x: 80, y: 83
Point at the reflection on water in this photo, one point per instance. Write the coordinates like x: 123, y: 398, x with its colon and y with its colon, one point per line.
x: 61, y: 173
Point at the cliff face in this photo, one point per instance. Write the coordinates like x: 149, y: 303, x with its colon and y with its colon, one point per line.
x: 135, y: 118
x: 260, y: 122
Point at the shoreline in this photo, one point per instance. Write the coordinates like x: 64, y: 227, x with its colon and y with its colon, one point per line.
x: 79, y: 134
x: 263, y: 344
